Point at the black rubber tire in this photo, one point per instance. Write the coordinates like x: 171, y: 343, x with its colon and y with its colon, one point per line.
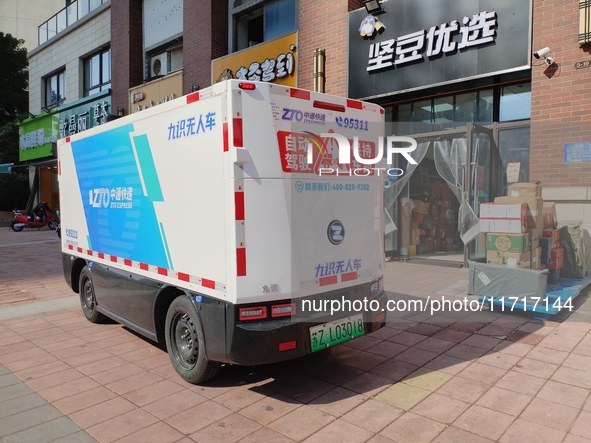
x: 52, y: 225
x: 87, y: 297
x: 59, y: 231
x: 16, y: 228
x: 185, y: 343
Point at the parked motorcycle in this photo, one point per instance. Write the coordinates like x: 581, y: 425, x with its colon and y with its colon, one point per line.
x: 41, y: 216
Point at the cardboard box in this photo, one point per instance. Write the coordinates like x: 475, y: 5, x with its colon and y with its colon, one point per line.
x: 502, y: 225
x: 418, y: 218
x: 420, y: 207
x: 414, y: 225
x: 412, y: 250
x: 546, y: 250
x: 508, y: 242
x: 433, y: 192
x: 536, y: 258
x: 554, y: 235
x: 550, y: 218
x: 511, y: 259
x: 534, y: 211
x: 536, y: 233
x: 556, y: 259
x: 535, y: 243
x: 434, y: 210
x: 446, y: 193
x: 415, y: 236
x: 504, y: 210
x: 525, y: 190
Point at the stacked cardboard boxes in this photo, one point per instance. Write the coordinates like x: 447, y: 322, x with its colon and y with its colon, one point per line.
x: 552, y: 255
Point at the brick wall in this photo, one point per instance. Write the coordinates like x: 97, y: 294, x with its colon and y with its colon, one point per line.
x: 205, y: 37
x: 560, y: 96
x: 126, y: 50
x: 323, y: 24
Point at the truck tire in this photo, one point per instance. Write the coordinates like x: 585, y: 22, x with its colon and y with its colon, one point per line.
x: 87, y: 297
x: 185, y: 343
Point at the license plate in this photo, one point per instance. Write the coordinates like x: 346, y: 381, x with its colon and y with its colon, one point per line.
x: 334, y: 332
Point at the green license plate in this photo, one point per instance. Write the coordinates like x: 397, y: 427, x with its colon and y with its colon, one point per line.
x: 338, y: 331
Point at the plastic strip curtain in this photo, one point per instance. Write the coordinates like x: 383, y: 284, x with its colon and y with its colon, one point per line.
x: 450, y: 160
x: 394, y: 190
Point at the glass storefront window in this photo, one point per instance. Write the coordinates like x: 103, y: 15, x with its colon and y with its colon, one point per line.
x: 515, y: 102
x: 443, y: 113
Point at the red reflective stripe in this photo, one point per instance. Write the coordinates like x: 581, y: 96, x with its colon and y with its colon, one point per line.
x: 354, y: 104
x: 163, y: 271
x: 70, y: 247
x: 241, y: 262
x: 89, y: 253
x: 193, y: 97
x: 208, y: 283
x: 67, y: 139
x: 183, y: 276
x: 237, y: 127
x: 239, y: 205
x: 114, y: 258
x: 127, y: 262
x: 299, y: 93
x: 79, y: 249
x: 101, y: 255
x: 226, y: 142
x: 143, y: 266
x: 349, y: 276
x: 324, y: 281
x: 286, y: 346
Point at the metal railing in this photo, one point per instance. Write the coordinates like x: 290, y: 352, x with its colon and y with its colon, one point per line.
x: 66, y: 17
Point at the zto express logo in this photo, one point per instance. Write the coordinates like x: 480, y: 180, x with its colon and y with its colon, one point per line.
x: 300, y: 116
x: 335, y: 232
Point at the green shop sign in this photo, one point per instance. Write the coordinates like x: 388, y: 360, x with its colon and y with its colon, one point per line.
x: 36, y: 136
x: 84, y: 114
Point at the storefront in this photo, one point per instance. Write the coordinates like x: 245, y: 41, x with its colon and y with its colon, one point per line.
x: 156, y: 92
x: 455, y: 76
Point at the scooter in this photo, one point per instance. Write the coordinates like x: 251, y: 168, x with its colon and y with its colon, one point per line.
x: 40, y: 217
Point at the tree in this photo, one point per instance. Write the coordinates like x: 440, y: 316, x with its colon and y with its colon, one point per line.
x: 14, y: 79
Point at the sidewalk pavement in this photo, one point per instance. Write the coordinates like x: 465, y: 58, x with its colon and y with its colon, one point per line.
x: 454, y: 377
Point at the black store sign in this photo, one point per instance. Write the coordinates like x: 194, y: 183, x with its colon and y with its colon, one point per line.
x: 432, y: 42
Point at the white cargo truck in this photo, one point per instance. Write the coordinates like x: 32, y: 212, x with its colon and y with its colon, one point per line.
x: 222, y: 223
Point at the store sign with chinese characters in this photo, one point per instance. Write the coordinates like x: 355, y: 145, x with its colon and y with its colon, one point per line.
x: 156, y: 92
x: 426, y: 43
x: 274, y: 61
x: 84, y: 114
x: 36, y: 136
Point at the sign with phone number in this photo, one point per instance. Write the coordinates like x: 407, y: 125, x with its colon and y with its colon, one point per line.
x: 352, y: 123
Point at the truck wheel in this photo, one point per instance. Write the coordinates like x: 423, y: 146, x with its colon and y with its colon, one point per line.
x: 87, y: 297
x: 185, y: 343
x: 16, y: 227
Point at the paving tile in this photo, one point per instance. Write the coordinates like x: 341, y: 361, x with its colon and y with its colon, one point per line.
x: 368, y: 384
x: 157, y: 433
x: 8, y: 380
x: 153, y: 392
x: 573, y: 377
x: 383, y: 333
x: 80, y: 359
x: 38, y: 371
x: 225, y: 382
x: 407, y: 338
x: 307, y: 389
x: 168, y: 406
x: 436, y: 345
x: 424, y: 329
x: 87, y: 349
x: 102, y: 365
x: 582, y: 426
x: 440, y: 408
x: 270, y: 408
x: 340, y: 431
x: 365, y: 342
x: 27, y: 419
x: 20, y: 404
x: 402, y: 396
x: 525, y: 431
x: 265, y: 435
x: 133, y: 383
x: 570, y: 438
x: 499, y: 360
x: 456, y: 435
x: 416, y: 356
x: 338, y: 401
x: 394, y: 369
x: 77, y: 437
x: 463, y: 389
x: 114, y: 374
x: 550, y: 414
x: 45, y: 432
x: 548, y: 355
x: 465, y: 352
x: 412, y: 428
x: 447, y: 364
x: 84, y: 399
x: 505, y: 401
x: 483, y: 373
x: 14, y: 391
x: 481, y: 341
x: 522, y: 383
x: 122, y: 425
x: 427, y: 379
x: 67, y: 389
x: 373, y: 415
x: 536, y: 328
x: 558, y: 343
x: 379, y: 439
x: 18, y: 365
x: 587, y: 406
x: 101, y: 412
x: 290, y: 425
x: 496, y: 330
x: 338, y: 374
x: 453, y: 335
x: 387, y: 349
x: 484, y: 422
x: 563, y: 394
x: 198, y: 417
x: 364, y: 360
x: 576, y: 361
x: 525, y: 337
x: 537, y: 368
x: 513, y: 348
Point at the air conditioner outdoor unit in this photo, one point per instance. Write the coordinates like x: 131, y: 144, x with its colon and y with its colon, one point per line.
x: 159, y: 64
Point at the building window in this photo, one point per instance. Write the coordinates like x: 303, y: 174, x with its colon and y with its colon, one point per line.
x: 97, y: 72
x: 257, y: 24
x: 515, y: 102
x: 584, y: 22
x: 55, y: 89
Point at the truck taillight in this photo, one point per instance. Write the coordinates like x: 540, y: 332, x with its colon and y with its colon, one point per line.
x: 253, y: 313
x: 283, y: 310
x: 247, y: 86
x: 329, y: 106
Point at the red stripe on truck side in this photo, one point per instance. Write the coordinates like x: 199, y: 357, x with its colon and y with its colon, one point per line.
x: 237, y: 127
x: 114, y: 258
x: 239, y: 205
x: 241, y: 262
x: 299, y: 93
x: 127, y: 262
x: 144, y: 266
x: 193, y: 97
x: 324, y: 281
x: 183, y: 276
x: 207, y: 283
x: 226, y: 142
x: 70, y: 247
x: 349, y: 276
x: 101, y: 255
x: 354, y: 104
x: 163, y: 271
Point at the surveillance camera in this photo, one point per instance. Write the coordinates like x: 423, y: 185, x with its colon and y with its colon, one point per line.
x: 542, y: 52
